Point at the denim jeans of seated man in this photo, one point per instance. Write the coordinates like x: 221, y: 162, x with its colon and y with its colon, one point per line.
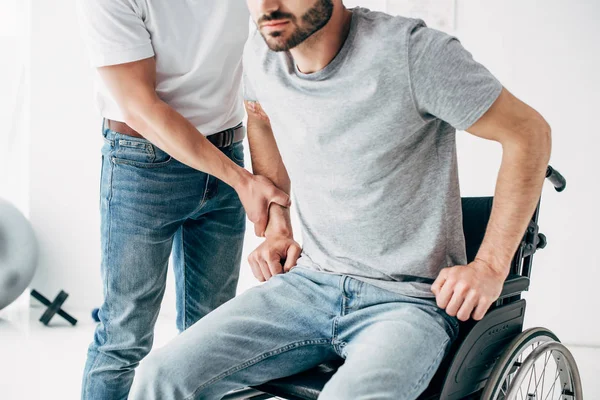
x: 392, y: 344
x: 152, y: 206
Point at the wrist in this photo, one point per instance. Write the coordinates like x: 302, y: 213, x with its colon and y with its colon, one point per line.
x: 239, y: 178
x: 496, y: 253
x: 278, y: 230
x: 498, y: 265
x: 279, y: 222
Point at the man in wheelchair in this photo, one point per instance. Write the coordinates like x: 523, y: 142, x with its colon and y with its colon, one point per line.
x: 359, y: 110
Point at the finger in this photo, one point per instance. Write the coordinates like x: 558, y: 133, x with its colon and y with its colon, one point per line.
x: 256, y: 271
x: 455, y: 303
x: 259, y: 110
x: 467, y: 307
x: 281, y: 198
x: 291, y: 258
x: 445, y: 294
x: 439, y: 282
x: 481, y: 309
x: 265, y: 269
x: 250, y: 106
x: 274, y: 264
x: 260, y: 225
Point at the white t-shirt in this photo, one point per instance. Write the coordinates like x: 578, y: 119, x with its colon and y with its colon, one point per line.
x: 197, y: 44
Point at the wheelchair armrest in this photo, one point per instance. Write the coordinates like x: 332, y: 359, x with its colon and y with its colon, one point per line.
x: 514, y: 285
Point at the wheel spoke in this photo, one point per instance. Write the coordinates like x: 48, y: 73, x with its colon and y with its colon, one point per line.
x: 543, y: 375
x: 530, y: 378
x: 520, y: 391
x: 554, y: 384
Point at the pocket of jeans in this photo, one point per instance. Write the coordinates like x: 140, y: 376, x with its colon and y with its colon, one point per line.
x: 454, y: 324
x: 139, y: 153
x: 237, y: 153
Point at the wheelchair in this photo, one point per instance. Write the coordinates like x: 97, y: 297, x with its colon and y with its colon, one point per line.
x: 492, y: 359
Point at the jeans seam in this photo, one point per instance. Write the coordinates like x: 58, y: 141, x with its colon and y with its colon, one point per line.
x: 334, y: 339
x: 203, y: 201
x: 87, y: 383
x: 139, y: 164
x: 439, y: 355
x: 258, y: 359
x: 185, y: 307
x: 108, y: 212
x: 109, y: 228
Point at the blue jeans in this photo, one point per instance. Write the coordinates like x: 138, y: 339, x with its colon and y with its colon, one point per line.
x: 152, y: 206
x: 392, y: 344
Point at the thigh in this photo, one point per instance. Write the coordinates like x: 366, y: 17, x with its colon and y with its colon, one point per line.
x: 139, y: 216
x: 268, y: 332
x: 392, y: 351
x: 207, y: 254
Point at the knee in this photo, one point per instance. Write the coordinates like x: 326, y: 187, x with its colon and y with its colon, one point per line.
x: 124, y: 345
x: 147, y: 376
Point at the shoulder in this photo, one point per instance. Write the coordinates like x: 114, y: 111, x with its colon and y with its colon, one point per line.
x: 391, y: 31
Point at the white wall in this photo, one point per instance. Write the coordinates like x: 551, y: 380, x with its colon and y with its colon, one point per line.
x: 65, y: 158
x: 548, y: 54
x: 544, y: 52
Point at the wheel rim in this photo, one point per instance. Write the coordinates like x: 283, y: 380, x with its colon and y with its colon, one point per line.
x: 507, y: 367
x: 549, y: 372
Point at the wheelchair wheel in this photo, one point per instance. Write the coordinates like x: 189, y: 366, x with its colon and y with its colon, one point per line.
x: 534, y: 366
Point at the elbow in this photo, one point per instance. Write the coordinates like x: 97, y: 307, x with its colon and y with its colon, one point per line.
x: 134, y: 118
x: 137, y: 113
x: 531, y: 140
x: 543, y: 138
x: 535, y: 139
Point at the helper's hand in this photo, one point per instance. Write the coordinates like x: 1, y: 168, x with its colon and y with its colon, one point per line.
x: 468, y: 291
x: 256, y: 194
x: 266, y: 261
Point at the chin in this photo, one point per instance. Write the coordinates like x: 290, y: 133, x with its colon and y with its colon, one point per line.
x: 276, y: 43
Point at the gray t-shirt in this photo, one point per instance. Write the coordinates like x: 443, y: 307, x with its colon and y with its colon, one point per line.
x: 369, y: 145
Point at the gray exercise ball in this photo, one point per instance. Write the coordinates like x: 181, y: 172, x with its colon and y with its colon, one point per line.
x: 18, y: 253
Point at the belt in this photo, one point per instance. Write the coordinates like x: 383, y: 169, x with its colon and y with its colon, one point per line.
x: 220, y: 139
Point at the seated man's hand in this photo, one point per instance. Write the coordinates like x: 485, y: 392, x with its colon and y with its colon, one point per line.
x: 468, y: 291
x: 256, y: 194
x: 274, y: 256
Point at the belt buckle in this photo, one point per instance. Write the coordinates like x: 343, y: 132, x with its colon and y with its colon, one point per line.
x: 226, y: 138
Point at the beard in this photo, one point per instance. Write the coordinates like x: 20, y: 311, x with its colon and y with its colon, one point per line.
x: 312, y: 21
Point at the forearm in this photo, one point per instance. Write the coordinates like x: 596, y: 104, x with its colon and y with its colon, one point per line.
x: 266, y: 161
x: 170, y: 131
x: 517, y: 193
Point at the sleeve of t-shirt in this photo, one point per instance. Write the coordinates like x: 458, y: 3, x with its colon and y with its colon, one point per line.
x: 447, y: 82
x: 113, y: 31
x: 248, y: 90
